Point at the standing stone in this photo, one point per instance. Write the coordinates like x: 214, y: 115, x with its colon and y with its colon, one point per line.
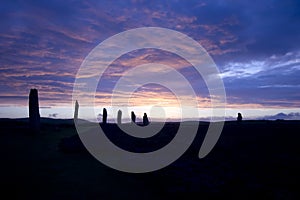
x: 119, y: 117
x: 239, y: 117
x: 34, y: 113
x: 76, y: 110
x: 104, y: 118
x: 145, y: 119
x: 133, y: 117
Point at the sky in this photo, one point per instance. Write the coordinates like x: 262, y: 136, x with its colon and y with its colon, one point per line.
x: 254, y: 44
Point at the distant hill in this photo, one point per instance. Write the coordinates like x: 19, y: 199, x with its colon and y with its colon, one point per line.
x: 283, y: 116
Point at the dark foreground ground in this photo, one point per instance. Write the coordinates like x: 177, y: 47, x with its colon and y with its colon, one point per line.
x: 255, y: 159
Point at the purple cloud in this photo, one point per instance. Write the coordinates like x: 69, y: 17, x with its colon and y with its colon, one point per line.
x: 255, y: 46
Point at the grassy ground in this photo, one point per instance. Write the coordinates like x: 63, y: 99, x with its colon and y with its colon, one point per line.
x: 251, y: 160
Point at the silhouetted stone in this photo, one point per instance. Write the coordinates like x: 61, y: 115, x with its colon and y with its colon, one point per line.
x: 145, y: 120
x: 104, y: 117
x: 34, y: 113
x: 239, y: 117
x: 76, y: 110
x: 119, y: 117
x: 133, y: 117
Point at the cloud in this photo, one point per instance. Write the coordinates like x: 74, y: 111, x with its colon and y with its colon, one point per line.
x: 240, y: 70
x: 270, y: 82
x: 42, y: 45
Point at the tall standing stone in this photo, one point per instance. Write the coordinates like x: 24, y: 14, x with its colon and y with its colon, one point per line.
x: 34, y: 113
x: 133, y: 117
x: 76, y: 110
x: 145, y: 119
x: 104, y: 118
x: 119, y: 117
